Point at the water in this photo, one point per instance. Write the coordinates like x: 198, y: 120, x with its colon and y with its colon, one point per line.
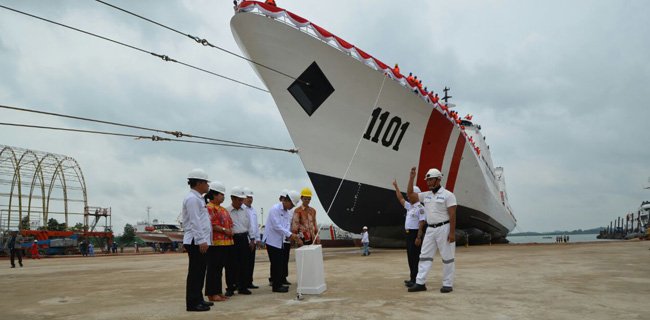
x: 546, y: 239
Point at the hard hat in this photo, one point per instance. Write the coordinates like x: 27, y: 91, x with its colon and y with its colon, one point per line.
x: 238, y: 192
x: 365, y: 228
x: 35, y: 240
x: 433, y: 173
x: 416, y: 189
x: 284, y: 192
x: 198, y: 174
x: 218, y: 187
x: 305, y: 192
x: 248, y: 192
x: 294, y: 197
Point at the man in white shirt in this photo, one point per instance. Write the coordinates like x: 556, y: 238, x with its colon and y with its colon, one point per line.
x: 278, y: 230
x: 440, y: 207
x: 253, y: 235
x: 241, y: 252
x: 196, y: 239
x: 414, y: 214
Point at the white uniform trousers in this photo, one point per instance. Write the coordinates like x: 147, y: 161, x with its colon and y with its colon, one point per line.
x: 437, y: 239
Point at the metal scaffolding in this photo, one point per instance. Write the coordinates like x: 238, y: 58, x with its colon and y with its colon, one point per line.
x: 39, y: 185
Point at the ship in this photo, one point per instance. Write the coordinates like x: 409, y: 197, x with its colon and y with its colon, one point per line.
x: 359, y: 123
x: 159, y: 232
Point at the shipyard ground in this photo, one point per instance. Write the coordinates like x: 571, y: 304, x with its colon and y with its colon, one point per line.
x: 604, y: 280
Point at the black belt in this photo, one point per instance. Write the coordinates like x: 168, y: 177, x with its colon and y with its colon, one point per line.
x: 409, y: 230
x: 435, y: 225
x: 243, y: 234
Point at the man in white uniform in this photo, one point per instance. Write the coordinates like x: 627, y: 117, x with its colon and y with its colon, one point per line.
x: 253, y: 235
x: 196, y: 239
x: 241, y: 252
x: 440, y: 208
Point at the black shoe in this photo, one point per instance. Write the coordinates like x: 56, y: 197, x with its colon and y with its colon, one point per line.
x: 446, y: 289
x: 230, y: 293
x: 243, y: 291
x: 286, y: 283
x: 198, y: 307
x: 13, y: 266
x: 409, y: 283
x: 207, y: 303
x: 418, y: 287
x: 21, y: 264
x: 281, y: 289
x: 252, y: 286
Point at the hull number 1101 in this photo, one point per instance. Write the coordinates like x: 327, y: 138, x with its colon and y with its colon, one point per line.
x: 391, y: 131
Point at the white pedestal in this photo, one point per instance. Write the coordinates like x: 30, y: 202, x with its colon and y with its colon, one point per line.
x: 310, y: 273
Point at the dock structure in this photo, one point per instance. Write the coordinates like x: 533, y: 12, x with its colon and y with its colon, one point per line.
x: 631, y: 225
x: 594, y: 280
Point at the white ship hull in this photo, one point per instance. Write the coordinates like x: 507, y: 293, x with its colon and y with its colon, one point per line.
x: 406, y: 131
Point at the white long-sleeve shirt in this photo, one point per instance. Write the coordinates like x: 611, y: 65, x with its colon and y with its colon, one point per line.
x: 196, y: 220
x: 277, y: 226
x: 253, y: 231
x: 364, y: 237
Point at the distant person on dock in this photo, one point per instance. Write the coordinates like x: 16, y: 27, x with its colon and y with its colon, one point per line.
x: 304, y: 221
x: 197, y: 239
x: 114, y: 247
x: 242, y: 235
x: 83, y: 247
x: 91, y: 250
x: 219, y: 255
x: 34, y: 250
x: 414, y: 214
x: 365, y: 241
x: 440, y: 208
x: 277, y: 235
x: 254, y: 236
x: 13, y: 246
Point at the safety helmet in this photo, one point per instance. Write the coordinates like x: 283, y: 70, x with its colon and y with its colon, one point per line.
x: 293, y: 196
x: 218, y: 187
x: 248, y: 192
x: 305, y: 192
x: 416, y: 189
x: 284, y: 192
x: 433, y: 173
x: 365, y: 228
x: 35, y: 241
x: 198, y: 174
x: 238, y: 192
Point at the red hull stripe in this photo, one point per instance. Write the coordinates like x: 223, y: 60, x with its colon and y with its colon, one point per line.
x: 434, y: 144
x: 455, y: 163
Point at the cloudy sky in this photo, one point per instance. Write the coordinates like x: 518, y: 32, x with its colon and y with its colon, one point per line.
x: 560, y: 89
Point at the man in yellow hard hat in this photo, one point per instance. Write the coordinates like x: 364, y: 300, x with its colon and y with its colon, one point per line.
x: 304, y: 221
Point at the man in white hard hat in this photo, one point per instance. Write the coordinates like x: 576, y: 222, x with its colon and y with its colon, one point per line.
x: 196, y: 239
x: 414, y: 214
x: 440, y: 208
x: 241, y: 252
x: 253, y: 235
x: 277, y: 231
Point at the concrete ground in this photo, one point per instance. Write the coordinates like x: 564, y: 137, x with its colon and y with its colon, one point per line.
x: 604, y: 280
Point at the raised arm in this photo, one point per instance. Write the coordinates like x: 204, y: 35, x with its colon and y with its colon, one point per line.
x: 409, y: 187
x: 398, y: 193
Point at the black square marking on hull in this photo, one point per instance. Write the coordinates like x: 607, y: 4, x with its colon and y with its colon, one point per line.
x: 311, y: 89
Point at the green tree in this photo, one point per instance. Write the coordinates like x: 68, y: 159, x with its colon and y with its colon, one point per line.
x: 24, y: 223
x: 78, y: 227
x: 54, y: 225
x: 128, y: 237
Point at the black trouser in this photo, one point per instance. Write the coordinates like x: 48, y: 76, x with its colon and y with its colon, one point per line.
x: 16, y: 253
x: 412, y: 252
x: 195, y: 275
x: 251, y: 267
x: 286, y: 249
x: 241, y: 256
x: 276, y: 256
x: 218, y: 258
